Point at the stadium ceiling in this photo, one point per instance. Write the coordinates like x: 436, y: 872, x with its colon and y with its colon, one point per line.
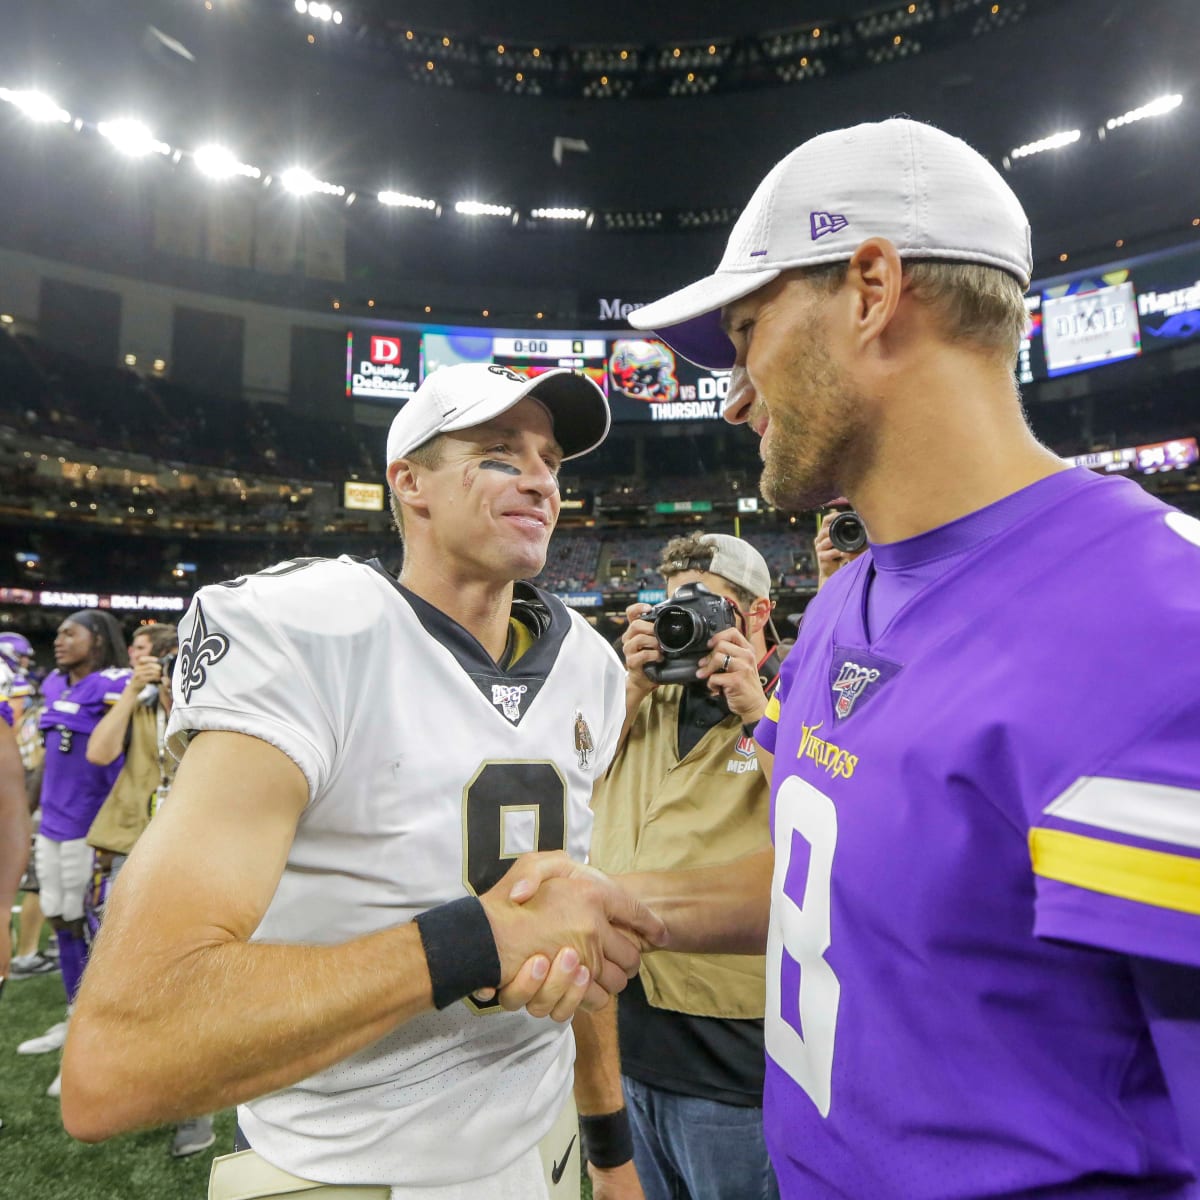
x: 300, y: 89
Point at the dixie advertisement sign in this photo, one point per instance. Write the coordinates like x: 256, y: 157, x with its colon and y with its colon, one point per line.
x: 382, y: 366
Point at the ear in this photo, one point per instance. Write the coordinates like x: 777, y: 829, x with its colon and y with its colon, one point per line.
x: 758, y: 614
x: 875, y: 276
x: 404, y: 478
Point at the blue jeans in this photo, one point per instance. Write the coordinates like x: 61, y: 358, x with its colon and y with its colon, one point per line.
x: 690, y: 1149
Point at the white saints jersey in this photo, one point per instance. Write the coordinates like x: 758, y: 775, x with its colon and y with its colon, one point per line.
x: 429, y: 768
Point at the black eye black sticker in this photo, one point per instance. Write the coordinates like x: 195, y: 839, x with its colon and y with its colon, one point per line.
x: 492, y: 464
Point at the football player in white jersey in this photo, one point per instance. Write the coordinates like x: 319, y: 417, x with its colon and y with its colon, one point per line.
x: 307, y: 926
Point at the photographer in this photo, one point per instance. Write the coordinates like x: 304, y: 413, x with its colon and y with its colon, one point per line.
x: 835, y: 547
x: 136, y: 727
x: 685, y: 790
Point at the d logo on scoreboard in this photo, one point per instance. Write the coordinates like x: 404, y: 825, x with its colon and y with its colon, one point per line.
x: 385, y: 350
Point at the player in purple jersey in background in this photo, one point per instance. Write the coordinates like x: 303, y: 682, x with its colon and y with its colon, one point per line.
x: 87, y: 650
x: 14, y: 826
x: 984, y: 938
x: 16, y: 651
x: 14, y: 831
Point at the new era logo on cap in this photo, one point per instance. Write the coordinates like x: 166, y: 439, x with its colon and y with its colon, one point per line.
x: 822, y: 223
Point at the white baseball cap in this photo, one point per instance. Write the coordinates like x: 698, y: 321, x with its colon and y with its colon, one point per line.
x: 469, y: 394
x: 924, y: 190
x: 734, y: 560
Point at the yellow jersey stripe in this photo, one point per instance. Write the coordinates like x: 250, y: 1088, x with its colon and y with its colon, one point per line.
x: 522, y: 640
x: 1147, y: 876
x: 772, y: 713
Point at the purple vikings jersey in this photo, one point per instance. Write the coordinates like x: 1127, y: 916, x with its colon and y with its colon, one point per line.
x: 13, y: 686
x: 978, y: 815
x: 73, y: 789
x: 7, y: 693
x: 22, y: 686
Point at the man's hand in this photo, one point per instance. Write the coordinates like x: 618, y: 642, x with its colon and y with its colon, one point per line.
x: 731, y: 667
x: 566, y: 934
x: 639, y: 646
x: 148, y: 670
x: 615, y: 1183
x: 829, y: 558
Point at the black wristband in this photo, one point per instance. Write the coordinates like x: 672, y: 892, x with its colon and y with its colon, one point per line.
x: 460, y: 950
x: 748, y: 730
x: 607, y: 1140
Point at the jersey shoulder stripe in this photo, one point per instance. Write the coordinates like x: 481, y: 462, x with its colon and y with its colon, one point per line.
x: 1129, y: 872
x: 1157, y: 811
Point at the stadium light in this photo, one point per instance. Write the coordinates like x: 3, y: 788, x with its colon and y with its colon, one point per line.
x: 219, y: 163
x: 401, y: 200
x: 132, y: 138
x: 37, y: 106
x: 319, y: 11
x: 1157, y: 107
x: 1055, y: 141
x: 475, y: 208
x: 559, y: 214
x: 300, y: 182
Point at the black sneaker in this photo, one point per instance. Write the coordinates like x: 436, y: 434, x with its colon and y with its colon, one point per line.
x: 26, y: 966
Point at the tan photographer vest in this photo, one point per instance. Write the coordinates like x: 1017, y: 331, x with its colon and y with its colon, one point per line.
x: 655, y: 812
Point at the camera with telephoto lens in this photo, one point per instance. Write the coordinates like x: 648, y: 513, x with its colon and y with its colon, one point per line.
x: 683, y: 625
x: 847, y: 532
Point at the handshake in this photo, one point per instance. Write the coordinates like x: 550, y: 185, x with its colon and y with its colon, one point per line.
x: 567, y: 936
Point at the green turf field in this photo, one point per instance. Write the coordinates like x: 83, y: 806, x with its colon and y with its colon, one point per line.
x: 40, y: 1161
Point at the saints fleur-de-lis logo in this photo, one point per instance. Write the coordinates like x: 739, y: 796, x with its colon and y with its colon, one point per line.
x: 199, y: 652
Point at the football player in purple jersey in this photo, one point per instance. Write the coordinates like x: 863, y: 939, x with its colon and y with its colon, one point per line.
x: 14, y: 830
x: 17, y: 652
x: 88, y: 649
x: 983, y: 941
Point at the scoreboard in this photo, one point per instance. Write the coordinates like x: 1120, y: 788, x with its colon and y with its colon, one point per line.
x: 1106, y: 314
x: 533, y: 355
x: 556, y: 351
x: 1081, y: 321
x: 643, y: 379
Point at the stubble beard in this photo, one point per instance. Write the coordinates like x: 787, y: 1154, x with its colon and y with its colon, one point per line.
x: 811, y: 434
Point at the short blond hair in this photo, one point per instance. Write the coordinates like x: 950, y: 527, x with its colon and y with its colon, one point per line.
x: 974, y: 303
